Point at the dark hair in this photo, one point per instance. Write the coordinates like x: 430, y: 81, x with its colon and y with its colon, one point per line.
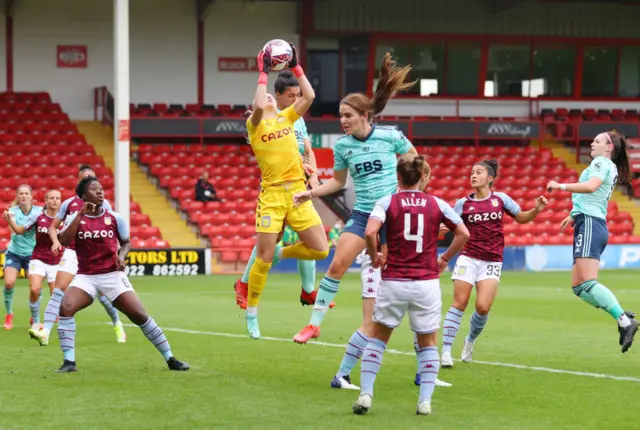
x: 492, y: 168
x: 82, y: 186
x: 84, y: 167
x: 411, y: 168
x: 620, y: 157
x: 391, y: 81
x: 285, y: 80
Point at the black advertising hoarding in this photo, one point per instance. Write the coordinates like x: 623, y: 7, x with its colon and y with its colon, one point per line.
x: 443, y: 129
x: 216, y: 127
x: 508, y: 129
x: 227, y: 127
x: 166, y: 262
x: 178, y: 127
x: 589, y: 130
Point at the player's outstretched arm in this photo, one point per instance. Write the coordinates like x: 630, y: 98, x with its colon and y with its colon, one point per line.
x: 524, y: 217
x: 260, y: 97
x: 579, y: 187
x: 333, y: 185
x: 302, y: 105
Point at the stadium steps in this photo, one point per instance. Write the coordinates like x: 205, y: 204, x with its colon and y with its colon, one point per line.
x: 152, y: 203
x: 622, y: 200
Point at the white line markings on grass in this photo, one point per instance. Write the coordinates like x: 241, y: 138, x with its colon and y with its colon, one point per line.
x: 395, y: 351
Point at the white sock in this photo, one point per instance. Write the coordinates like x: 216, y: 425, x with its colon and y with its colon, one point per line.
x: 252, y: 311
x: 624, y: 321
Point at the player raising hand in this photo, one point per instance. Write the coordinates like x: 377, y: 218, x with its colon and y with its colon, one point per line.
x: 411, y: 276
x: 480, y: 262
x: 590, y: 197
x: 272, y: 137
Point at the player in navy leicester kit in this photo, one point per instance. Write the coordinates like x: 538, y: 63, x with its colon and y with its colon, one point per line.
x: 480, y: 262
x: 590, y: 196
x: 411, y: 276
x: 98, y: 233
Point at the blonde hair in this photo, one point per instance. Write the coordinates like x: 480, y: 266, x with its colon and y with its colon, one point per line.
x: 15, y: 200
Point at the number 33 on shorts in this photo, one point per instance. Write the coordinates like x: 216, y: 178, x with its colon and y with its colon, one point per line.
x: 472, y: 270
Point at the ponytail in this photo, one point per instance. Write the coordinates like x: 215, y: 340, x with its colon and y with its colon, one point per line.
x: 392, y: 79
x: 620, y: 157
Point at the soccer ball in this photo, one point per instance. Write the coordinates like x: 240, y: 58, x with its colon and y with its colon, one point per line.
x: 278, y: 54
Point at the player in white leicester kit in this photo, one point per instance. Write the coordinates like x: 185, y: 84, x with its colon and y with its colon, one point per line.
x: 102, y: 245
x: 411, y: 276
x: 69, y: 267
x: 480, y: 262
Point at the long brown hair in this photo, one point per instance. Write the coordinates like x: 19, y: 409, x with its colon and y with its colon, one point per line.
x: 412, y: 168
x: 392, y: 79
x: 620, y: 157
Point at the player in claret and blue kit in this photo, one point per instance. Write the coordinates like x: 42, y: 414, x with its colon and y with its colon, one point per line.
x: 480, y: 262
x: 98, y: 234
x: 68, y: 268
x: 590, y: 196
x: 411, y: 276
x: 368, y: 152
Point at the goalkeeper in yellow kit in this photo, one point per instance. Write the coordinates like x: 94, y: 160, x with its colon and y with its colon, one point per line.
x: 273, y: 140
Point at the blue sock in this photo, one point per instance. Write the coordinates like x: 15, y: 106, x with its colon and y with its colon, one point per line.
x: 476, y: 326
x: 67, y: 335
x: 8, y: 300
x: 307, y: 270
x: 326, y: 292
x: 156, y: 336
x: 111, y: 310
x: 52, y: 310
x: 245, y: 275
x: 371, y: 362
x: 355, y: 347
x: 35, y: 311
x: 450, y: 327
x: 429, y: 364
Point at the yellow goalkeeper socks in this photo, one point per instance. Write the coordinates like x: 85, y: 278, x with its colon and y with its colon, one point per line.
x: 257, y: 281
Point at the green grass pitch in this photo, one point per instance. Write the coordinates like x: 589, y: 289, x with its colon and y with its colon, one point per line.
x: 546, y: 360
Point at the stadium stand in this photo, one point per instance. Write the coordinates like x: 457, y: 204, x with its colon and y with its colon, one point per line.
x: 34, y: 132
x: 234, y: 173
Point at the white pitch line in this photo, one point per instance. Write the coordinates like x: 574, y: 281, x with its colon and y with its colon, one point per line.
x: 395, y: 351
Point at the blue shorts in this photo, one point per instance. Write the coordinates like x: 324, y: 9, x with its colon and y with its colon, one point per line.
x: 590, y: 237
x: 16, y: 261
x: 357, y: 224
